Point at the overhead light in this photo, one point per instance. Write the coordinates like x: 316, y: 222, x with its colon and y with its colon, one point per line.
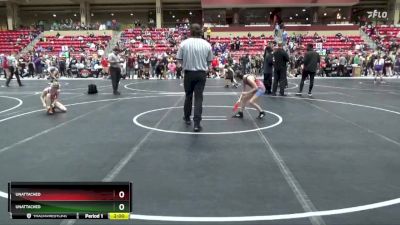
x: 54, y: 15
x: 91, y: 14
x: 325, y: 14
x: 131, y: 14
x: 340, y: 9
x: 75, y: 14
x: 173, y: 16
x: 190, y: 13
x: 291, y: 18
x: 307, y: 18
x: 304, y: 10
x: 344, y: 18
x: 270, y: 13
x: 219, y: 16
x: 297, y: 14
x: 112, y: 14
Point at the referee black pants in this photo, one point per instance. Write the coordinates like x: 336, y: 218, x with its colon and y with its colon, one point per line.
x: 304, y: 77
x: 281, y: 78
x: 115, y: 77
x: 194, y: 82
x: 268, y: 82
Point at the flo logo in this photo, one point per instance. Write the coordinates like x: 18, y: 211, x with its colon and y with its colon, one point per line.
x: 376, y: 14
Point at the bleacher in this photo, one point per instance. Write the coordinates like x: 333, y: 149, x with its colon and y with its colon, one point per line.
x: 258, y: 44
x: 53, y: 45
x: 158, y: 36
x: 14, y: 41
x: 387, y: 33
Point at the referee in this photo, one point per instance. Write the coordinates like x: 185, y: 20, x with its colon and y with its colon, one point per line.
x: 281, y: 58
x: 115, y: 69
x: 195, y: 55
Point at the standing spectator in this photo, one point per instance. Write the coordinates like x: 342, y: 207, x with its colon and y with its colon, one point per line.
x: 215, y: 65
x: 178, y: 71
x: 1, y: 66
x: 62, y: 66
x: 196, y: 55
x: 268, y: 64
x: 388, y: 66
x: 38, y: 66
x: 31, y: 68
x: 232, y: 45
x: 6, y: 66
x: 130, y: 65
x: 342, y: 66
x: 104, y: 65
x: 281, y: 58
x: 160, y: 69
x: 370, y: 65
x: 208, y: 33
x: 237, y: 44
x: 378, y: 65
x: 146, y: 66
x: 21, y: 68
x: 115, y: 69
x: 311, y: 61
x: 284, y: 37
x: 171, y: 69
x: 140, y: 61
x: 397, y: 66
x: 153, y: 65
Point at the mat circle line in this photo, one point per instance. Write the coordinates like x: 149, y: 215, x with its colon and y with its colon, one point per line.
x: 20, y: 102
x: 126, y: 86
x: 137, y: 123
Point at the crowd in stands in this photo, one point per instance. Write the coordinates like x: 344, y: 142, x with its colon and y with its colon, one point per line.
x: 387, y: 38
x: 15, y: 41
x: 72, y: 45
x: 150, y: 53
x: 69, y: 25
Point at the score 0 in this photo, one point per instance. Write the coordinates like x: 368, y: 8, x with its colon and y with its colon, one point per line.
x: 121, y: 196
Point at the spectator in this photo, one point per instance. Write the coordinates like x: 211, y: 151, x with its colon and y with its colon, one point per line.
x: 342, y: 66
x: 171, y: 70
x: 208, y: 33
x: 130, y: 66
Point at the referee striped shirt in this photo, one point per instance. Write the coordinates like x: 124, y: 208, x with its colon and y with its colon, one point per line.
x: 195, y: 54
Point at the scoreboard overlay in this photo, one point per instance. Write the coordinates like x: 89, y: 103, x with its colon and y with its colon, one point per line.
x: 70, y: 200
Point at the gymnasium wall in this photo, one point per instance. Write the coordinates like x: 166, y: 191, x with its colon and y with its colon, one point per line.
x: 3, y: 18
x: 268, y: 30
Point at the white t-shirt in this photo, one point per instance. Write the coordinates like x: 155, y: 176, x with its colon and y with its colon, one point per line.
x: 379, y: 62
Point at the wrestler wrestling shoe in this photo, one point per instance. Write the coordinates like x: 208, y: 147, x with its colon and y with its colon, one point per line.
x: 238, y: 115
x: 261, y: 115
